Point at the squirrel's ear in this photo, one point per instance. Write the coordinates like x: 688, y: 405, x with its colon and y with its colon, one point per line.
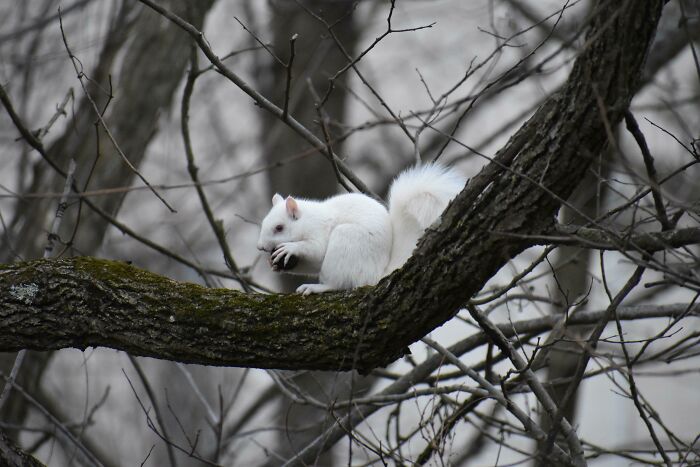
x: 292, y: 208
x: 277, y: 198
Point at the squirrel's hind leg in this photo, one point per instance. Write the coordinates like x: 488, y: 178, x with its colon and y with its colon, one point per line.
x: 355, y: 257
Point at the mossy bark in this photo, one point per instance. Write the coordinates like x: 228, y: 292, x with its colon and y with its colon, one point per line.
x: 82, y: 302
x: 87, y: 302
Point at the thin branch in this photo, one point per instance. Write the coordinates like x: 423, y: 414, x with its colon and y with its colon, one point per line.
x: 263, y: 102
x: 538, y: 389
x: 288, y: 85
x: 80, y: 76
x: 190, y: 453
x: 192, y: 169
x: 633, y: 127
x: 508, y: 404
x: 30, y: 138
x: 88, y: 455
x: 323, y: 123
x: 60, y: 110
x: 588, y: 349
x: 259, y: 41
x: 598, y: 239
x: 634, y: 394
x: 60, y: 210
x: 156, y: 409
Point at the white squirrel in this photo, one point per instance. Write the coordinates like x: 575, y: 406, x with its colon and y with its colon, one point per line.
x: 351, y: 240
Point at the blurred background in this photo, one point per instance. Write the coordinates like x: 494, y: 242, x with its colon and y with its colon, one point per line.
x: 383, y: 84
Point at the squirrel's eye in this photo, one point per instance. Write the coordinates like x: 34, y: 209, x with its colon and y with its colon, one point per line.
x: 279, y: 228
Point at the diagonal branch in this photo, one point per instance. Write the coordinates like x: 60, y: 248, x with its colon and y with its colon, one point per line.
x: 259, y: 99
x: 453, y: 261
x: 114, y: 305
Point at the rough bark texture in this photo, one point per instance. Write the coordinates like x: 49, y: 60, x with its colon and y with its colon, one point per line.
x: 114, y: 305
x: 11, y: 455
x: 85, y: 302
x: 554, y: 148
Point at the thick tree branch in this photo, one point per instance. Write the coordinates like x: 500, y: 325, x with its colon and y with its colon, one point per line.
x: 11, y: 454
x: 114, y: 305
x: 521, y: 198
x: 519, y: 194
x: 84, y: 302
x: 87, y: 302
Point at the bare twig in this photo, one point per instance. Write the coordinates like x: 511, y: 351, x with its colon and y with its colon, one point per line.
x: 525, y: 419
x: 598, y: 239
x: 288, y: 66
x: 633, y: 128
x: 352, y: 63
x: 192, y: 169
x: 60, y: 210
x: 60, y: 110
x: 634, y: 394
x: 80, y: 76
x: 523, y: 367
x: 154, y: 404
x: 88, y: 455
x: 589, y: 347
x: 211, y: 416
x: 188, y: 452
x: 260, y: 41
x: 323, y: 123
x: 257, y: 97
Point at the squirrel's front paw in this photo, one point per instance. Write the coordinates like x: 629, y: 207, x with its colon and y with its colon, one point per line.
x: 307, y: 289
x: 283, y: 257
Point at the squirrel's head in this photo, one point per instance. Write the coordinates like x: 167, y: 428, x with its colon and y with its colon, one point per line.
x: 280, y: 224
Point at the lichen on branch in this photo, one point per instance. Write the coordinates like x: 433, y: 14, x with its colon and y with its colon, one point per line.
x: 88, y: 302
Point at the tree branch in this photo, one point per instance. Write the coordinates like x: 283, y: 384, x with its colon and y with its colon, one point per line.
x: 552, y: 152
x: 84, y: 302
x: 87, y: 302
x: 11, y: 454
x: 259, y: 99
x: 111, y: 304
x: 599, y: 239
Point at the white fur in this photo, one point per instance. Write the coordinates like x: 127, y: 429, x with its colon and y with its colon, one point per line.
x: 417, y: 198
x: 346, y: 240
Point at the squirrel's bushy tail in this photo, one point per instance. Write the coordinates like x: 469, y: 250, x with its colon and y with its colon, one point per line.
x: 417, y: 197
